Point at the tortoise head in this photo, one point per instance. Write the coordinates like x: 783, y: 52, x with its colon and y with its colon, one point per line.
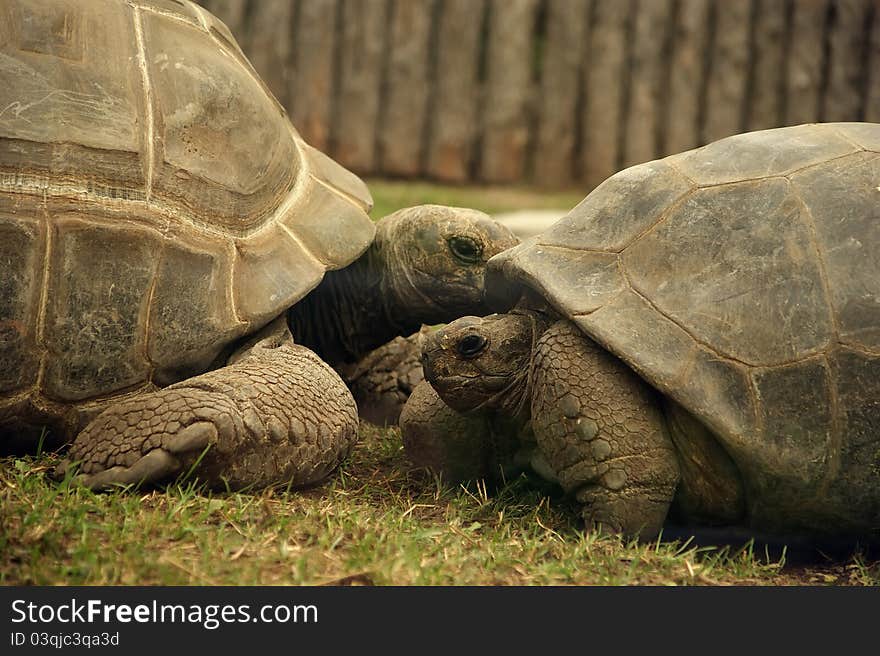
x: 482, y: 363
x: 435, y: 260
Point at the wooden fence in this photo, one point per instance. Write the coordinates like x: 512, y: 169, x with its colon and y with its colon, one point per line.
x: 556, y: 92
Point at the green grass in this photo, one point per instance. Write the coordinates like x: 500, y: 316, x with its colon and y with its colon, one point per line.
x: 389, y: 196
x: 377, y: 521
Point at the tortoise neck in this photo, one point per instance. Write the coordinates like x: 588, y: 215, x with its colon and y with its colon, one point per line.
x: 514, y: 401
x: 353, y: 310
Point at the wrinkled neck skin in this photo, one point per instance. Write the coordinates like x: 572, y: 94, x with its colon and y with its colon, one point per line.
x: 510, y: 412
x: 541, y: 316
x: 512, y: 404
x: 356, y: 309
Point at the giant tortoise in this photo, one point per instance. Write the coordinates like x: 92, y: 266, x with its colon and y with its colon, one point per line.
x: 160, y: 217
x: 701, y: 332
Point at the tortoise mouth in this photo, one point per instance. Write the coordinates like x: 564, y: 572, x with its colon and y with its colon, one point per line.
x: 450, y: 382
x: 467, y: 393
x: 453, y: 297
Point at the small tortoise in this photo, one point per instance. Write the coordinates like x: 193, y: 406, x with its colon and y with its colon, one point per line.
x: 701, y: 333
x: 160, y: 217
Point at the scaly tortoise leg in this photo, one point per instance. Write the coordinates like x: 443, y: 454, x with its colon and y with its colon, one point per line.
x: 276, y: 414
x: 463, y: 447
x: 602, y: 431
x: 382, y: 381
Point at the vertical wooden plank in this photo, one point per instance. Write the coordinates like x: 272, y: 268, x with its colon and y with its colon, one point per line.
x: 403, y: 119
x: 364, y: 24
x: 647, y: 78
x: 872, y: 104
x: 557, y: 102
x: 728, y: 74
x: 453, y: 124
x: 269, y: 43
x: 765, y: 108
x: 804, y: 66
x: 606, y: 69
x: 508, y: 90
x: 311, y: 80
x: 231, y: 12
x: 843, y: 98
x: 689, y: 48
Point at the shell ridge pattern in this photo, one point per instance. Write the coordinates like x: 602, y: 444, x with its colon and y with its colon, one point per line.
x: 158, y: 11
x: 134, y: 201
x: 846, y: 138
x: 794, y: 172
x: 859, y: 348
x: 671, y: 161
x: 200, y: 14
x: 148, y: 134
x: 333, y: 189
x: 821, y: 258
x: 760, y: 178
x: 148, y: 317
x: 43, y: 302
x: 832, y: 451
x: 720, y: 356
x: 678, y: 202
x: 573, y: 249
x: 92, y: 196
x: 295, y: 197
x: 635, y: 290
x: 299, y: 242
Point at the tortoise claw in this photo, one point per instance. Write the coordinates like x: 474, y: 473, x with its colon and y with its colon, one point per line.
x: 156, y: 465
x: 194, y: 437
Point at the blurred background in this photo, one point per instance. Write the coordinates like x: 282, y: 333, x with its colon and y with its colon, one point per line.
x: 557, y: 94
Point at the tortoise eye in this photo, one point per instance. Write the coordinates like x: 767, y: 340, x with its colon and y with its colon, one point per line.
x: 466, y: 249
x: 471, y: 345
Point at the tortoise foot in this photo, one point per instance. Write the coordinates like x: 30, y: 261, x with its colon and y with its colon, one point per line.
x: 278, y: 416
x: 150, y: 438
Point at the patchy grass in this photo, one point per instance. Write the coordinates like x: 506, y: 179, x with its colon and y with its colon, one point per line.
x: 389, y: 196
x: 378, y: 521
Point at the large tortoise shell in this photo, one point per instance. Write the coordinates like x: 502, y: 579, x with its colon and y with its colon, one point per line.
x: 155, y: 201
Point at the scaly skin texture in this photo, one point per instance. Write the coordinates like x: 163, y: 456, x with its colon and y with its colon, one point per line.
x: 601, y: 430
x: 277, y: 415
x: 382, y: 381
x: 464, y: 448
